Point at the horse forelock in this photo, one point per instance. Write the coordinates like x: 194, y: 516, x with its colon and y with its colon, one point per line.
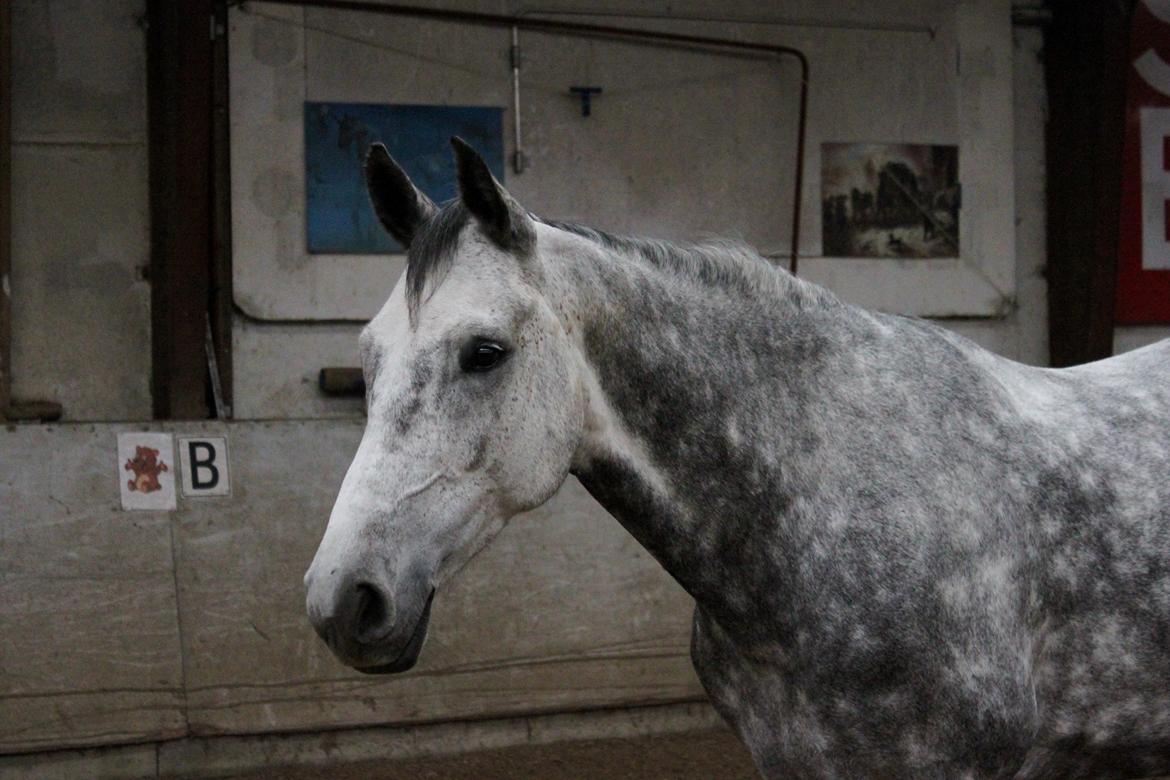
x: 719, y: 263
x: 432, y: 251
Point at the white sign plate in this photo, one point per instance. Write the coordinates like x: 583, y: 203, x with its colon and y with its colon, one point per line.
x: 146, y: 470
x: 205, y: 466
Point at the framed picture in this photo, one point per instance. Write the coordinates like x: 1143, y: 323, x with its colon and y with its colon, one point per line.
x: 338, y: 216
x: 890, y: 200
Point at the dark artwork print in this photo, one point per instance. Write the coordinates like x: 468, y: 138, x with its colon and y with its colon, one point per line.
x: 890, y: 200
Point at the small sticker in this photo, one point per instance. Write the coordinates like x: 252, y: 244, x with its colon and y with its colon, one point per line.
x: 146, y: 470
x: 205, y: 466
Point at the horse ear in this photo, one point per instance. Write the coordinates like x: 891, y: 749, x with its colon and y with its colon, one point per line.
x: 501, y: 217
x: 401, y: 207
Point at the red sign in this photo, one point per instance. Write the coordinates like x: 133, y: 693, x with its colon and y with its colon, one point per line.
x: 1143, y: 271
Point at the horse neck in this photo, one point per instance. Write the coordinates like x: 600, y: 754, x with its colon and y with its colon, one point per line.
x: 693, y: 410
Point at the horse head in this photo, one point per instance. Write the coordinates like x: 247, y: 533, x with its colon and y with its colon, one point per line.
x: 474, y: 410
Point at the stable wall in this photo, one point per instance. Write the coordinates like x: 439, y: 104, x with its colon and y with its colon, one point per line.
x: 892, y: 74
x: 80, y: 217
x: 80, y: 194
x: 135, y: 626
x: 81, y: 332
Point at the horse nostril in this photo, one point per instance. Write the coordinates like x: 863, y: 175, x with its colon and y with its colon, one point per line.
x: 372, y: 614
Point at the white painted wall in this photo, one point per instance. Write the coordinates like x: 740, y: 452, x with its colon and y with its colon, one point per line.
x: 866, y: 85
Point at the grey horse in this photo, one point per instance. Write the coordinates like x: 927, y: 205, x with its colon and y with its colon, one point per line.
x: 909, y: 557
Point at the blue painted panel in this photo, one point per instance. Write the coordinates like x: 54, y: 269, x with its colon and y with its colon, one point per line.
x: 339, y: 218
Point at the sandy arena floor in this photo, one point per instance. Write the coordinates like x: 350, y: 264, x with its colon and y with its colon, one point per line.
x: 715, y: 755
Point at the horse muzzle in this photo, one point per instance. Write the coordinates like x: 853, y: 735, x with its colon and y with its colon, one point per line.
x: 366, y: 626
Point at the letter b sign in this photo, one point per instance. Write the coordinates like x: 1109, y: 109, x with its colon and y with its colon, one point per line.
x: 205, y: 466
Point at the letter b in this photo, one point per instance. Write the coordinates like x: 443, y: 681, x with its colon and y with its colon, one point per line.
x: 204, y: 473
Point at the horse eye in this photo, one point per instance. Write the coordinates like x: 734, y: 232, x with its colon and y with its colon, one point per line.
x: 482, y: 356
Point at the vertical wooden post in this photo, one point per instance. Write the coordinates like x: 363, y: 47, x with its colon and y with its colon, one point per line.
x: 1085, y: 62
x: 5, y: 206
x: 179, y: 84
x: 221, y: 259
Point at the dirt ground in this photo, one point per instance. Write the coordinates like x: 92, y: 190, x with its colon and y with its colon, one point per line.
x: 714, y: 755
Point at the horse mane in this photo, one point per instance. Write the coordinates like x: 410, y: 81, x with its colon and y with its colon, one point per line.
x: 721, y: 263
x: 432, y: 250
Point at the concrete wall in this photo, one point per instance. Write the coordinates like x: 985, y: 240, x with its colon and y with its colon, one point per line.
x: 131, y: 626
x: 80, y: 300
x: 80, y: 218
x: 662, y: 154
x: 658, y: 157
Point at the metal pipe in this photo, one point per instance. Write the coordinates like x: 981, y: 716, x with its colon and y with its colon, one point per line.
x: 518, y: 152
x: 773, y: 21
x: 802, y: 117
x: 603, y: 31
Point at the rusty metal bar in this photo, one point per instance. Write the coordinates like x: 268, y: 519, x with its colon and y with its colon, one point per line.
x: 753, y: 19
x: 604, y: 31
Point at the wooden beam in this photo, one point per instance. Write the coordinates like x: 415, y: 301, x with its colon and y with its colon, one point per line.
x: 5, y: 205
x: 221, y: 252
x: 1085, y: 61
x: 179, y: 85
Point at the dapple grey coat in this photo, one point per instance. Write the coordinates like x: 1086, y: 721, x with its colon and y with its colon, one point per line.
x: 910, y: 557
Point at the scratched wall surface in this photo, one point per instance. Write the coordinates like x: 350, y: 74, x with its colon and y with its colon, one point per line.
x: 89, y: 632
x: 80, y: 195
x: 123, y: 627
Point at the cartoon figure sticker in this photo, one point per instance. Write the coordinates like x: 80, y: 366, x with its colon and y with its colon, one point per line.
x: 146, y: 467
x: 146, y: 470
